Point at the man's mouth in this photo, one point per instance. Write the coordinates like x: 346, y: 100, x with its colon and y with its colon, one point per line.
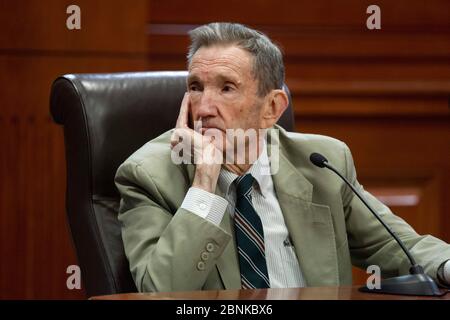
x: 210, y: 129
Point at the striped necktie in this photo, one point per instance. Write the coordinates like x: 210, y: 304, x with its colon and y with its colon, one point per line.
x: 249, y: 237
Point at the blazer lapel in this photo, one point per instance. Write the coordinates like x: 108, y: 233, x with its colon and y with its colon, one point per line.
x: 310, y: 225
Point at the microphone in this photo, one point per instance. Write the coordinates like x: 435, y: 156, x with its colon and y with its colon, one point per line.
x: 417, y: 282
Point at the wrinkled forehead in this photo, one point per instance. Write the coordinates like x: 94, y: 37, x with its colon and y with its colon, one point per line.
x: 220, y: 61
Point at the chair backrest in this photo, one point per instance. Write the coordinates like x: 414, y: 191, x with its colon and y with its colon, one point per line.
x: 106, y: 117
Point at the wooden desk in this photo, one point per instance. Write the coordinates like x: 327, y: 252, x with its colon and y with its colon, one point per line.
x: 316, y: 293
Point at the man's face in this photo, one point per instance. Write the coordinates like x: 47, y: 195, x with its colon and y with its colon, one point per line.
x: 222, y: 89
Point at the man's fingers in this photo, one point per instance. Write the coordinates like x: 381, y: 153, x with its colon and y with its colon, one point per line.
x: 211, y: 155
x: 182, y: 135
x: 183, y: 116
x: 201, y: 148
x: 179, y: 135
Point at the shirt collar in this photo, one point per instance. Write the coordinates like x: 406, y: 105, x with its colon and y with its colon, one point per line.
x: 260, y: 170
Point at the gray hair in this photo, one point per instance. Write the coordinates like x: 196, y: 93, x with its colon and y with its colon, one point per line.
x: 268, y: 67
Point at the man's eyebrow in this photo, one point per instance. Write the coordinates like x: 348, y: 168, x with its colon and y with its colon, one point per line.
x: 222, y: 78
x: 192, y: 78
x: 227, y: 78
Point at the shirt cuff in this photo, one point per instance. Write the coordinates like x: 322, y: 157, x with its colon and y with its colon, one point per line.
x: 205, y: 204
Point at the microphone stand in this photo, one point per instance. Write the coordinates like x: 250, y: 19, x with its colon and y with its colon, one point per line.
x: 416, y: 283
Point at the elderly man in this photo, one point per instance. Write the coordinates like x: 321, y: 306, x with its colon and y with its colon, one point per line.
x: 208, y: 222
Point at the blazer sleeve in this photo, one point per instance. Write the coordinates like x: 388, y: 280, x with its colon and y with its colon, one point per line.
x: 164, y: 248
x: 371, y: 244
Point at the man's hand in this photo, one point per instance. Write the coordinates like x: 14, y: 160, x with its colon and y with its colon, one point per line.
x: 206, y: 156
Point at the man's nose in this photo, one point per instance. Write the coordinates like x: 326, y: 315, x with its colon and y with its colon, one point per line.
x: 207, y: 104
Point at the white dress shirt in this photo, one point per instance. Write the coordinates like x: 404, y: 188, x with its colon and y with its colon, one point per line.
x: 282, y: 263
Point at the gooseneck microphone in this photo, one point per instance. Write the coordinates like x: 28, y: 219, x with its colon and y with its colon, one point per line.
x: 321, y: 162
x: 417, y: 282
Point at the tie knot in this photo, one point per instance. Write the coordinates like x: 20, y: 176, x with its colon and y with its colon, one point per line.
x: 244, y: 184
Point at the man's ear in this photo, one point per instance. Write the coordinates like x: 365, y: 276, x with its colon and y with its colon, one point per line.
x: 276, y: 103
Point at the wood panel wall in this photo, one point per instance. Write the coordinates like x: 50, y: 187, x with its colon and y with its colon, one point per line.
x: 384, y: 92
x: 35, y: 48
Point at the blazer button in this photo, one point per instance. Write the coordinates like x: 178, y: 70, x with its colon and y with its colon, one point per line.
x: 205, y: 255
x: 209, y: 247
x: 201, y: 266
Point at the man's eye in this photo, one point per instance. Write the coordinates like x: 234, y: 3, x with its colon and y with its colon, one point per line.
x: 227, y: 88
x: 193, y: 87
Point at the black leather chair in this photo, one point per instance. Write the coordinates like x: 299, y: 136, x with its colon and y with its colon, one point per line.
x: 106, y: 117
